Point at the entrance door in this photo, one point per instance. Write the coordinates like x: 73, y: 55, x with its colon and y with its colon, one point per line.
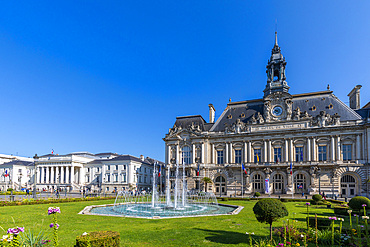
x: 277, y: 184
x: 220, y: 184
x: 257, y: 183
x: 348, y: 186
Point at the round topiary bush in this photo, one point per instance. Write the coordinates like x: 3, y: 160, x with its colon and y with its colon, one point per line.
x: 317, y: 198
x: 257, y: 194
x: 357, y: 202
x: 268, y: 210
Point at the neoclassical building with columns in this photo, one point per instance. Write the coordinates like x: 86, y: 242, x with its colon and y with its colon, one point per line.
x: 325, y: 141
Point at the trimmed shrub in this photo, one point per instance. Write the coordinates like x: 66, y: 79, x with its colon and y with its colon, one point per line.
x: 357, y: 202
x: 98, y: 239
x: 322, y: 223
x: 257, y: 194
x: 340, y: 211
x: 268, y: 210
x: 9, y: 189
x: 317, y: 198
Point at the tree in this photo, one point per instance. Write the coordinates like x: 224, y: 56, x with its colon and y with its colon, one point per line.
x: 268, y: 210
x: 206, y: 180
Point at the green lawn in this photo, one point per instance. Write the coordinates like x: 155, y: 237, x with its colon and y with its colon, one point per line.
x: 198, y: 231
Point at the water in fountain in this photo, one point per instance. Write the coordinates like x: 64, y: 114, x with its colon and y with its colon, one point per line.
x: 177, y: 204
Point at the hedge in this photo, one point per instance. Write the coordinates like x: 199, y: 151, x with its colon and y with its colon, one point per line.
x: 322, y: 222
x: 98, y: 239
x: 52, y: 200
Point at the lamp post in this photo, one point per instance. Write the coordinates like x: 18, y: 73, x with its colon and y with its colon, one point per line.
x: 35, y: 158
x: 20, y: 181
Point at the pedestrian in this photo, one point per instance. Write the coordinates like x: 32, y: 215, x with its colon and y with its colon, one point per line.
x: 302, y: 194
x: 27, y: 192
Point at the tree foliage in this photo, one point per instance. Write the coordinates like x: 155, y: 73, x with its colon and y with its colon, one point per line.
x: 357, y: 202
x: 206, y: 180
x: 317, y: 197
x: 268, y: 210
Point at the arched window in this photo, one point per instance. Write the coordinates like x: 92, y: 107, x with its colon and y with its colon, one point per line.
x: 257, y: 183
x: 348, y: 186
x: 220, y: 184
x: 278, y: 183
x: 300, y: 183
x: 186, y: 155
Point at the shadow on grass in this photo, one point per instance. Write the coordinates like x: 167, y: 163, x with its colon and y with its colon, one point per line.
x: 227, y: 237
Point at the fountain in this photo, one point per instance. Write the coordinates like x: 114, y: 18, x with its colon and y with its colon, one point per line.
x: 179, y: 203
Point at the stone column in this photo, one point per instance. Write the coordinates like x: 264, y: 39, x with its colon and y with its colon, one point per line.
x: 178, y: 158
x: 52, y: 175
x: 308, y: 149
x: 194, y: 153
x: 291, y: 147
x: 62, y: 175
x: 338, y: 149
x: 67, y: 175
x: 265, y: 151
x: 286, y: 151
x: 226, y: 153
x: 314, y: 158
x: 245, y: 147
x: 250, y: 155
x: 202, y: 157
x: 72, y: 174
x: 332, y: 149
x: 47, y: 175
x: 231, y: 156
x: 269, y: 151
x: 358, y: 147
x: 213, y: 153
x: 40, y: 175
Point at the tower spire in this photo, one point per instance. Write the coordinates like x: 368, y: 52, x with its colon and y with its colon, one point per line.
x: 276, y: 43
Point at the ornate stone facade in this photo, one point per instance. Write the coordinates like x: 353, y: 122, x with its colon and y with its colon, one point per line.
x: 325, y: 141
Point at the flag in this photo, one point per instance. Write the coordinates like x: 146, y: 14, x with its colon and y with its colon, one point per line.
x: 258, y: 158
x: 267, y: 184
x: 301, y: 155
x: 300, y: 186
x: 159, y: 171
x: 198, y: 170
x: 291, y: 169
x: 52, y: 151
x: 245, y: 170
x: 6, y: 173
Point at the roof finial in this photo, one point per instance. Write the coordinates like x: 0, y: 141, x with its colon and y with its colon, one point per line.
x: 230, y: 100
x: 328, y: 87
x: 276, y: 43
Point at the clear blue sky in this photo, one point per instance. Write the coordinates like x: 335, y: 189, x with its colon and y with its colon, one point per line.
x: 112, y: 76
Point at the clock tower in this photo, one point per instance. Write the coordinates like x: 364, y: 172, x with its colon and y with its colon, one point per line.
x: 277, y: 100
x: 275, y: 69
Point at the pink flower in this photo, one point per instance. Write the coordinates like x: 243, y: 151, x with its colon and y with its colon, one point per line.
x: 332, y: 218
x: 364, y: 205
x: 52, y: 210
x: 308, y: 204
x: 52, y: 225
x: 15, y: 231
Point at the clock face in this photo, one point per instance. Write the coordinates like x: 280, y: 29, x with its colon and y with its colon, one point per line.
x: 277, y: 111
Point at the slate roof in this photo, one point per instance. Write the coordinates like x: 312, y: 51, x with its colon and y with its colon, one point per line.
x: 18, y: 162
x: 147, y: 160
x: 186, y: 121
x: 244, y: 110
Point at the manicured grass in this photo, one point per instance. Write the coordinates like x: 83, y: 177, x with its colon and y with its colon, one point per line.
x: 198, y: 231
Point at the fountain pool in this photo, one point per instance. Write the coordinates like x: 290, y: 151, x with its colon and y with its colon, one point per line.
x: 173, y: 204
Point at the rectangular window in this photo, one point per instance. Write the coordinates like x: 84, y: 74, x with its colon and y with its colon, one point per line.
x: 88, y: 169
x: 116, y: 167
x: 322, y: 153
x: 98, y: 169
x: 108, y: 167
x: 88, y: 179
x: 220, y: 157
x: 257, y: 155
x: 238, y: 156
x: 108, y: 177
x: 124, y: 178
x: 298, y: 154
x: 124, y: 167
x: 347, y: 152
x: 277, y: 155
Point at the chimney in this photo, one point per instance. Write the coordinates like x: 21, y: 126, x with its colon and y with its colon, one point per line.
x: 142, y: 157
x: 212, y: 112
x: 354, y: 97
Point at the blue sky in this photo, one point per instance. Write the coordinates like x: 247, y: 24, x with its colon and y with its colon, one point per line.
x: 113, y: 76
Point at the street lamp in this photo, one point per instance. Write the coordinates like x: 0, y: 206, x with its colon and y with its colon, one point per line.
x: 35, y: 158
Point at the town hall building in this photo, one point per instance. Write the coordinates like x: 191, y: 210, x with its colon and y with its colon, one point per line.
x: 280, y: 144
